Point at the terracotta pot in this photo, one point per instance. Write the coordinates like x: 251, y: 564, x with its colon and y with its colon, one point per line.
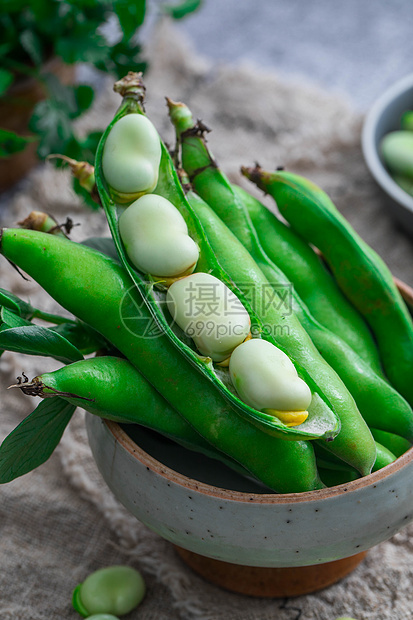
x: 16, y: 108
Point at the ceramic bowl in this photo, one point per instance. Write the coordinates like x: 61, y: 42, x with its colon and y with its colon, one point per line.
x: 383, y: 117
x: 202, y: 506
x: 237, y: 533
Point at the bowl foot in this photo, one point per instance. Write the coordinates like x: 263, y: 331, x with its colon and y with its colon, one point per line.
x: 270, y: 582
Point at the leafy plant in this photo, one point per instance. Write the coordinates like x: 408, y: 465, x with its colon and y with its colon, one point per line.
x: 34, y: 31
x: 67, y: 340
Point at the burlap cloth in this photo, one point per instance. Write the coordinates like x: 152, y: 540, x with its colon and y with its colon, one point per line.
x: 61, y: 522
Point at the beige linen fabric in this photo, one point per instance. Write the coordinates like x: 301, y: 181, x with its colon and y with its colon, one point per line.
x: 61, y: 522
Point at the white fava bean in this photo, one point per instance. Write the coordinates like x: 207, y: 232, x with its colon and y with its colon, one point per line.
x: 131, y: 156
x: 156, y: 237
x: 210, y: 313
x: 266, y: 379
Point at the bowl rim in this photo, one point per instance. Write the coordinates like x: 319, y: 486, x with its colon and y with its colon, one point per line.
x: 121, y: 437
x: 370, y: 152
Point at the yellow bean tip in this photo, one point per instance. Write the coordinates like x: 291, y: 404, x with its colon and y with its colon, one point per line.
x: 289, y: 418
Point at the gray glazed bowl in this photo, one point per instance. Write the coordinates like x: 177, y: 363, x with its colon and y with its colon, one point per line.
x: 204, y: 508
x: 384, y: 117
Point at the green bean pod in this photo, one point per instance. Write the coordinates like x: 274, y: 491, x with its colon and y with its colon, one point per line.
x: 111, y: 388
x: 333, y: 478
x: 326, y: 461
x: 384, y: 457
x: 98, y: 291
x: 392, y: 441
x: 322, y: 420
x: 374, y: 396
x: 359, y: 271
x: 251, y: 269
x: 312, y: 281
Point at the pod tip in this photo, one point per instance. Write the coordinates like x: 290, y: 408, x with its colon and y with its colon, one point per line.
x: 172, y: 105
x: 253, y: 173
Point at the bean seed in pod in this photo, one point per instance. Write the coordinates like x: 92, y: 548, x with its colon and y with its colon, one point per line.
x: 131, y: 157
x: 210, y: 313
x: 156, y: 237
x: 114, y: 590
x: 266, y: 379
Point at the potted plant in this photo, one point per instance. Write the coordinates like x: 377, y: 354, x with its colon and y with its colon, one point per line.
x: 41, y: 42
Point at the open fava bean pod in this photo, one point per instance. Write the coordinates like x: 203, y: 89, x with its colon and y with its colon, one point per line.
x: 239, y: 250
x: 321, y: 421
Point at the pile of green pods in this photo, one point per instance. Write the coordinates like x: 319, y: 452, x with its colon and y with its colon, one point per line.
x: 228, y: 332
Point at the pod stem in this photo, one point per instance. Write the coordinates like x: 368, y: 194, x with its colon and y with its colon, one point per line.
x: 30, y: 388
x: 81, y: 170
x: 184, y: 179
x: 36, y: 387
x: 256, y: 175
x: 56, y: 319
x: 260, y: 177
x: 37, y: 220
x: 132, y: 86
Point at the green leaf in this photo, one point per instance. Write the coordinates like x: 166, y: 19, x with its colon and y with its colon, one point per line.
x: 11, y: 143
x: 90, y: 145
x: 180, y: 10
x: 4, y: 48
x: 84, y: 97
x: 125, y: 57
x: 51, y: 121
x: 87, y: 150
x: 52, y: 118
x: 81, y: 45
x: 85, y: 195
x: 26, y: 310
x: 37, y: 340
x: 131, y: 14
x: 14, y: 303
x: 12, y: 6
x: 84, y: 338
x: 6, y: 78
x: 11, y: 319
x: 32, y: 45
x: 43, y: 10
x: 32, y: 442
x: 105, y: 245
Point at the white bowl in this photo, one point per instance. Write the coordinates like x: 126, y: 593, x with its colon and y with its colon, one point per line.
x: 383, y: 117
